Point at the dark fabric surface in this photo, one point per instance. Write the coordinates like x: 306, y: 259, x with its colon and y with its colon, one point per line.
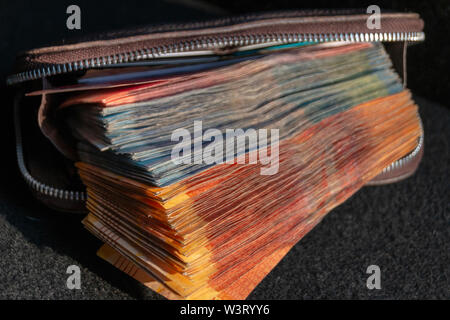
x: 403, y: 228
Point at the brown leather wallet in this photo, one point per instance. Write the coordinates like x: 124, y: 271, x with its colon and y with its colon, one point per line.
x: 45, y: 157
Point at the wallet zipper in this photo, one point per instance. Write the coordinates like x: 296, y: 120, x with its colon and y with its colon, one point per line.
x: 34, y: 184
x: 402, y: 162
x: 214, y: 43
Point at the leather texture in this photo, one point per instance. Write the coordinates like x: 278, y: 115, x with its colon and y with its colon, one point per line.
x: 292, y: 22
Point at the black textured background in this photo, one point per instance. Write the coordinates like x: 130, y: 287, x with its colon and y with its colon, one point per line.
x: 403, y: 228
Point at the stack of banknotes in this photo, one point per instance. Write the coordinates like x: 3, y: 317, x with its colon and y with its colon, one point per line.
x: 203, y: 172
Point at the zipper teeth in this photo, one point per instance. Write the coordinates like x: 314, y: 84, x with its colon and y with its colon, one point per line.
x: 409, y: 157
x: 209, y: 43
x: 32, y: 182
